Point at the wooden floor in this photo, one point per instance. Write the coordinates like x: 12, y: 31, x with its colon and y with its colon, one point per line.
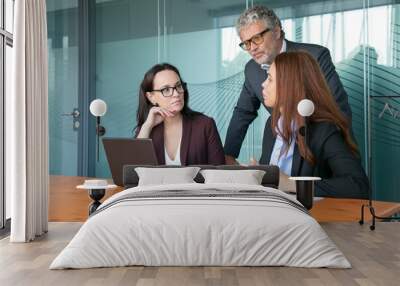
x: 374, y: 255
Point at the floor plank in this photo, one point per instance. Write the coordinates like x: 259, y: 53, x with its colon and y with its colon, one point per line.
x: 375, y: 257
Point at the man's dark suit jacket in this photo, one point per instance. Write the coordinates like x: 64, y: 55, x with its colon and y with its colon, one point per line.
x: 200, y: 145
x: 251, y: 96
x: 341, y: 171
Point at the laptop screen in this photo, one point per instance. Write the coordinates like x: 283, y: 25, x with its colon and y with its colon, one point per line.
x: 128, y: 151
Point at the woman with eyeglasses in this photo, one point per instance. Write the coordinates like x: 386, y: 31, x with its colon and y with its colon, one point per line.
x: 330, y: 152
x: 180, y: 135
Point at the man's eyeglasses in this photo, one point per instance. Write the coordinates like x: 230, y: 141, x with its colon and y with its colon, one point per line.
x: 256, y: 39
x: 169, y: 90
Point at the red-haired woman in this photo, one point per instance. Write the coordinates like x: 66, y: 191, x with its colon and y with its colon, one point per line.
x: 331, y: 153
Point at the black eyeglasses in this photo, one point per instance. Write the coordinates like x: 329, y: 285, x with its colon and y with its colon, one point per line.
x: 256, y: 39
x: 168, y: 91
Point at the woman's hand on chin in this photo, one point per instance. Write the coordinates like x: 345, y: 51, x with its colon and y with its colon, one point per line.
x: 156, y: 116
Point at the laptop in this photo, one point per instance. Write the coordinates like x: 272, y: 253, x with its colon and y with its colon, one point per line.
x: 128, y: 151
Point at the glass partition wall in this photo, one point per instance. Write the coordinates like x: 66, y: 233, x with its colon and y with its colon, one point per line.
x: 63, y: 61
x: 199, y: 38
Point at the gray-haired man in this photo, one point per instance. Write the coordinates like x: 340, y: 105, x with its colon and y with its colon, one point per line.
x: 261, y: 35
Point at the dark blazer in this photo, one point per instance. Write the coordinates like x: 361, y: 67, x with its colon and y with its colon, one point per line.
x: 200, y: 145
x: 341, y: 171
x: 251, y: 96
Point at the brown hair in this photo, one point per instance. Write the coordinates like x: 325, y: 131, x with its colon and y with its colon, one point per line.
x: 298, y: 76
x: 147, y: 85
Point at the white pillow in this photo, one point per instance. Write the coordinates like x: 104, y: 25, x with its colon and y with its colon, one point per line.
x: 248, y: 177
x: 163, y: 176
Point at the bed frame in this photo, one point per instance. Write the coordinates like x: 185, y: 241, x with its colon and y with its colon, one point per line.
x: 270, y: 179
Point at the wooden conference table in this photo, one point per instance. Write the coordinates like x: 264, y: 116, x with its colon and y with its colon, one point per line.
x: 66, y: 203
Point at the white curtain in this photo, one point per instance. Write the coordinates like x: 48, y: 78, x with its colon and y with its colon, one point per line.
x: 27, y: 173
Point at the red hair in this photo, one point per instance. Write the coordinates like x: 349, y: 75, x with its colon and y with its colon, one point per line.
x: 298, y: 76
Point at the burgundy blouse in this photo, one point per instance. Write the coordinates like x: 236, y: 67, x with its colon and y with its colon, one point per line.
x: 200, y: 145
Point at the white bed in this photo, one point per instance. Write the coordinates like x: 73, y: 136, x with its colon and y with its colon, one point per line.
x: 269, y: 229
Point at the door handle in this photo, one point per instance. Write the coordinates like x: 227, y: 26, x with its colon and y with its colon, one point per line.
x: 75, y: 113
x: 75, y: 116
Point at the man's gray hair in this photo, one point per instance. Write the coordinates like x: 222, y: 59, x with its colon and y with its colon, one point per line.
x: 259, y: 13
